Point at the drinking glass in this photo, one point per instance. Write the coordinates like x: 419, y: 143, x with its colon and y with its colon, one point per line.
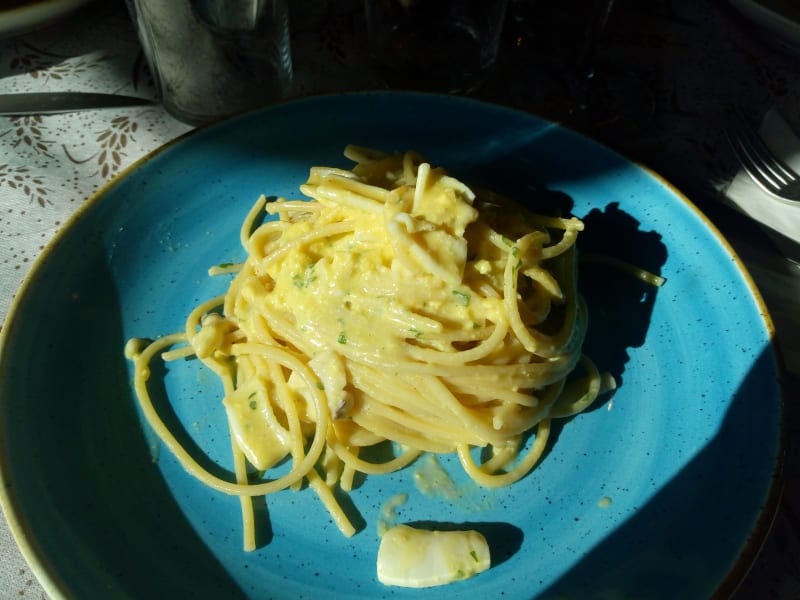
x: 210, y: 59
x: 559, y: 68
x: 438, y: 45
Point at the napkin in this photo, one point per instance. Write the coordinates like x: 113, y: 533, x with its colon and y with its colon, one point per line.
x: 781, y: 217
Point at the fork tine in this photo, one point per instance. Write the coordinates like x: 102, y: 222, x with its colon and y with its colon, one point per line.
x: 752, y: 150
x: 768, y: 171
x: 748, y: 163
x: 763, y: 177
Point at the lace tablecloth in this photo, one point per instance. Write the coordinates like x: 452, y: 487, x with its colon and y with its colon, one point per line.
x: 694, y: 58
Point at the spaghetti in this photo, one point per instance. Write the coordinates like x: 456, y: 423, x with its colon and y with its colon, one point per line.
x: 394, y: 306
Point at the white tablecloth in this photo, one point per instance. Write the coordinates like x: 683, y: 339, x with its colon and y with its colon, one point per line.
x: 50, y: 165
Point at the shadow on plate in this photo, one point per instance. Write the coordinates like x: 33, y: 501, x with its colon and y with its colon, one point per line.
x: 712, y: 490
x: 95, y: 512
x: 619, y: 303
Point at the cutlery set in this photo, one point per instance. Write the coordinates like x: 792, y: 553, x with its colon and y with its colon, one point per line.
x: 763, y: 166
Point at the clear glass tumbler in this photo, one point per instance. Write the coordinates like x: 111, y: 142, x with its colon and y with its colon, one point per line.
x: 211, y: 59
x: 437, y: 45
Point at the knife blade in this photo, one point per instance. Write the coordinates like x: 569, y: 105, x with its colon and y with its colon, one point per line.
x: 50, y: 103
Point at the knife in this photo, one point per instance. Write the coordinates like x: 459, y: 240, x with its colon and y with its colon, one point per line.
x: 50, y: 103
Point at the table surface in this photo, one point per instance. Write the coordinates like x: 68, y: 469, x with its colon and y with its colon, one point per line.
x: 691, y: 60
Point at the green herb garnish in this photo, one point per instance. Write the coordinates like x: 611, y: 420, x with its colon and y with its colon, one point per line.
x: 461, y: 297
x: 306, y: 278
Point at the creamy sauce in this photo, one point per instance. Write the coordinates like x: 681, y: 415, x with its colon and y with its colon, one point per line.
x: 388, y: 515
x: 432, y: 480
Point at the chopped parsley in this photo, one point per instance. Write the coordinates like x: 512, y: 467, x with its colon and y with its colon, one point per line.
x: 461, y: 297
x: 306, y: 278
x: 342, y: 339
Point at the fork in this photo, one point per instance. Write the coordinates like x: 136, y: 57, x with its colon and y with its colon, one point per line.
x: 768, y: 171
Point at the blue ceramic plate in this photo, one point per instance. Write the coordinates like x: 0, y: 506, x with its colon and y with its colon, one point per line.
x: 663, y: 490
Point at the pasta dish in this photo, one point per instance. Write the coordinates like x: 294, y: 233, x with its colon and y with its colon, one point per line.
x: 396, y: 306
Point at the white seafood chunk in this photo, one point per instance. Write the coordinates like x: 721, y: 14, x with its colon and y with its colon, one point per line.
x: 419, y: 558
